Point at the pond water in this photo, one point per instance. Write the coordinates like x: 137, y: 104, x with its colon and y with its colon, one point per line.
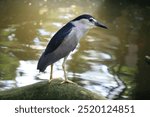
x: 105, y: 61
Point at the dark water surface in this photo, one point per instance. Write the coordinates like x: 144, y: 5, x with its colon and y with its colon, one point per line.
x: 110, y: 62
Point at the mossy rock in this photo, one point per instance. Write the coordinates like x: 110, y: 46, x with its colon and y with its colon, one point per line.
x: 50, y: 91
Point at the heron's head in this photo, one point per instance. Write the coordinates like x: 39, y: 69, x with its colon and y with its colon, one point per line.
x: 87, y: 21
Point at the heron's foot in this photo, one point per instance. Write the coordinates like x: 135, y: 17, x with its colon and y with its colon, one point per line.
x: 67, y: 81
x: 50, y: 80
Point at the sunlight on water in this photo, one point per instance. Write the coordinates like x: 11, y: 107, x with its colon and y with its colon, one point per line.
x: 104, y: 62
x: 97, y: 78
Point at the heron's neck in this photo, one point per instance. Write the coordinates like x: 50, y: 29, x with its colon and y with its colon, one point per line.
x: 79, y: 31
x: 80, y: 26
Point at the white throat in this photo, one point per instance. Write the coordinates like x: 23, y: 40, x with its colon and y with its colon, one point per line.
x: 79, y: 30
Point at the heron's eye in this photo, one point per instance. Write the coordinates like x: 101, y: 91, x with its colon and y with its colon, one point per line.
x: 91, y: 20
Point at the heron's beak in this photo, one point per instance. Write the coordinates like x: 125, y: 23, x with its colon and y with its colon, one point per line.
x: 100, y: 25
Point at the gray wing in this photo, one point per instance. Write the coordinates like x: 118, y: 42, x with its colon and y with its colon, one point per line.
x: 58, y: 38
x: 68, y: 45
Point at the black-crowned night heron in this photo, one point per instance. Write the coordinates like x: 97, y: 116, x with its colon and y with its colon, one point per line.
x: 65, y: 41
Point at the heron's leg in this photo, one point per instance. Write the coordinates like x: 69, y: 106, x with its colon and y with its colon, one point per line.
x: 64, y: 69
x: 51, y: 73
x: 65, y: 74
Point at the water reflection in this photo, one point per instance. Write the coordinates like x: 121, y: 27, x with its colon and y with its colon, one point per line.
x: 104, y: 62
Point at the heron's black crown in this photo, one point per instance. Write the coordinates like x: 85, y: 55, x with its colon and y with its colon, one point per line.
x: 84, y: 16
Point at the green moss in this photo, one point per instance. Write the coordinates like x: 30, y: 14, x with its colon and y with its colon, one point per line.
x: 50, y: 91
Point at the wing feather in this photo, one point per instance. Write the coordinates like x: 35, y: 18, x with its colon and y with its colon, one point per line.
x: 58, y: 47
x: 58, y: 38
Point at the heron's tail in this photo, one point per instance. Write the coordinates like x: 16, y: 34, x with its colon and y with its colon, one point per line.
x: 41, y: 66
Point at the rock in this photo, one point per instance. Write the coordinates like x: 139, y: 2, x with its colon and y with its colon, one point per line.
x: 50, y: 91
